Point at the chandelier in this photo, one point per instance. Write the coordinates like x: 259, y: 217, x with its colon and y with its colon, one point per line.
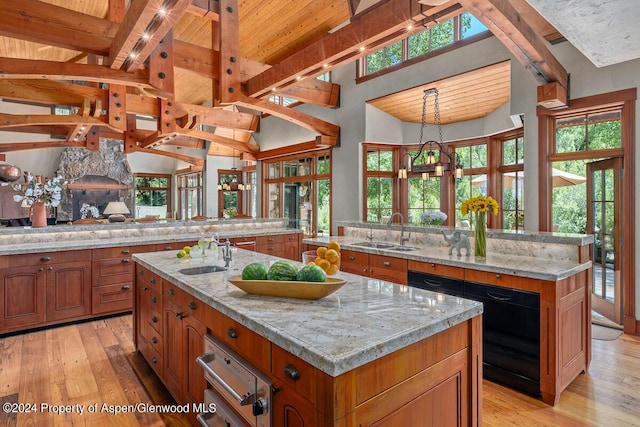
x: 229, y: 182
x: 425, y: 159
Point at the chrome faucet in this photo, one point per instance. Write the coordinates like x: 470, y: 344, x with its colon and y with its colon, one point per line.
x: 370, y: 235
x: 402, y: 238
x: 226, y: 247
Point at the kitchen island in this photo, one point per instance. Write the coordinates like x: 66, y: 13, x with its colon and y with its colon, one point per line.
x: 372, y: 353
x: 536, y: 290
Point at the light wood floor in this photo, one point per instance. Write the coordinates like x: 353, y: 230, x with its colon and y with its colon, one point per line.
x: 94, y: 363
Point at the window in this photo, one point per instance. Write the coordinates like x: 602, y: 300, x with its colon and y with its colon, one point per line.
x: 153, y: 195
x: 230, y: 194
x: 511, y: 174
x: 379, y: 178
x: 587, y: 132
x: 299, y: 188
x: 418, y: 45
x: 190, y: 195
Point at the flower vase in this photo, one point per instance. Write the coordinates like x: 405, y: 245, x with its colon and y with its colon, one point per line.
x: 38, y: 215
x: 481, y: 234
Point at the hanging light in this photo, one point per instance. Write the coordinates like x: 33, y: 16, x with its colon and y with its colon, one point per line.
x: 429, y: 165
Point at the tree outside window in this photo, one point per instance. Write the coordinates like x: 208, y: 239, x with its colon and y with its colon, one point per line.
x: 153, y: 195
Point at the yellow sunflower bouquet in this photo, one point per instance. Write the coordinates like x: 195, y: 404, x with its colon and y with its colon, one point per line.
x: 480, y: 205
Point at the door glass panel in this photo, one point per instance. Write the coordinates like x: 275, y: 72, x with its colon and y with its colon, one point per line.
x: 274, y: 201
x: 323, y: 197
x: 297, y: 205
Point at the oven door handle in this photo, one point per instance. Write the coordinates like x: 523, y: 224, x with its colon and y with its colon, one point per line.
x: 247, y: 399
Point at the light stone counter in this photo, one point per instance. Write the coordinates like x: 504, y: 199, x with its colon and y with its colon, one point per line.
x: 361, y: 322
x: 534, y: 267
x: 20, y: 240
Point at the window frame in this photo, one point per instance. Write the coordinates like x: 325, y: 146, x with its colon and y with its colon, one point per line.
x: 168, y: 189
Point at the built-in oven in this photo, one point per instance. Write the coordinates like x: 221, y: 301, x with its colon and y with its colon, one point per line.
x: 242, y: 387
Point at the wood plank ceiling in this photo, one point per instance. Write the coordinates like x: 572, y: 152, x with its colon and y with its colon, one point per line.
x: 467, y: 96
x: 279, y: 41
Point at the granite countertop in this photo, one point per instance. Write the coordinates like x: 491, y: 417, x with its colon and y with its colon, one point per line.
x: 361, y: 322
x: 21, y: 240
x: 543, y: 268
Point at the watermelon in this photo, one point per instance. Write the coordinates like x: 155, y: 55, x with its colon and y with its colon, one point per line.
x: 282, y: 270
x: 254, y: 271
x: 311, y: 273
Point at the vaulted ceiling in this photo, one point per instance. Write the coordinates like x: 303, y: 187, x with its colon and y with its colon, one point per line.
x: 207, y: 66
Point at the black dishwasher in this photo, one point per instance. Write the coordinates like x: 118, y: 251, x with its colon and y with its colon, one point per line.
x: 510, y: 329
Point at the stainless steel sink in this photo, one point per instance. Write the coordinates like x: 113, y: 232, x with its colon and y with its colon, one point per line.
x: 202, y: 270
x: 377, y: 245
x: 403, y: 248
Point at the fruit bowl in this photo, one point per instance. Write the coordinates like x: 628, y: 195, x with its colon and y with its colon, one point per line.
x: 330, y: 265
x: 288, y: 289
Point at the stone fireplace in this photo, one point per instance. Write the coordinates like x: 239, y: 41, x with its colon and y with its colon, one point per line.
x: 95, y: 178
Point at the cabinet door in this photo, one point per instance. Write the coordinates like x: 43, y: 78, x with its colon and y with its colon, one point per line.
x: 23, y: 297
x: 173, y: 350
x: 68, y: 290
x: 194, y: 383
x: 290, y: 409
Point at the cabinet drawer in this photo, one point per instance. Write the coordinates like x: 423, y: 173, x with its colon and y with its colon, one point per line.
x: 353, y: 257
x: 174, y: 246
x: 505, y: 280
x: 270, y: 240
x: 387, y: 262
x: 244, y: 341
x: 25, y: 260
x: 432, y: 282
x: 437, y: 269
x: 153, y: 357
x: 111, y: 298
x: 275, y: 249
x: 121, y: 251
x: 293, y: 371
x: 112, y: 270
x: 148, y: 278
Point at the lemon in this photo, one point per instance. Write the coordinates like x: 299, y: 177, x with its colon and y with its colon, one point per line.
x: 181, y: 254
x: 186, y: 249
x: 334, y: 245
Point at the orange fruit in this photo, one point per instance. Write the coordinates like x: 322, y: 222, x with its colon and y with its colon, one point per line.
x: 317, y: 260
x: 333, y: 269
x: 332, y: 256
x: 334, y: 245
x: 321, y: 251
x: 323, y: 264
x: 311, y: 263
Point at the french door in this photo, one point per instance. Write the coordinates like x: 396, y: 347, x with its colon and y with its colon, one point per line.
x: 604, y: 196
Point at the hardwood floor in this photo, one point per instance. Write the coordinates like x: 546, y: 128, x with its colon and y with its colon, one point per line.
x: 95, y: 363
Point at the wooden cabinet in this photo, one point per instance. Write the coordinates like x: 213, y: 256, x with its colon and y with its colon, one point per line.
x: 148, y: 323
x: 112, y: 278
x: 381, y: 267
x: 271, y: 245
x: 42, y: 289
x: 23, y: 293
x: 292, y: 244
x: 175, y: 246
x: 245, y: 242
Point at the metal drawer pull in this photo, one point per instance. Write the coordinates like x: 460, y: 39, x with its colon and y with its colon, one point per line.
x: 352, y: 257
x: 180, y: 316
x: 387, y: 263
x: 497, y: 276
x: 499, y: 297
x: 154, y: 340
x: 125, y: 251
x: 126, y: 260
x: 430, y: 283
x: 245, y: 400
x: 171, y: 291
x: 291, y: 372
x: 433, y: 265
x: 154, y: 299
x: 192, y: 305
x: 232, y: 333
x: 45, y: 258
x: 154, y: 360
x: 154, y: 319
x: 153, y: 281
x: 126, y: 287
x: 167, y: 248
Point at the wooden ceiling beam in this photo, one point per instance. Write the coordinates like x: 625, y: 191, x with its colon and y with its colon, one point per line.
x: 229, y: 142
x: 8, y: 121
x: 502, y: 19
x: 129, y: 48
x: 19, y: 146
x: 205, y: 9
x: 41, y: 22
x: 220, y: 117
x: 11, y: 68
x: 189, y: 159
x: 294, y: 116
x: 384, y: 23
x: 314, y: 91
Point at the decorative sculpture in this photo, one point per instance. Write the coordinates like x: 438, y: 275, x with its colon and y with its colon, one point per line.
x: 458, y: 240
